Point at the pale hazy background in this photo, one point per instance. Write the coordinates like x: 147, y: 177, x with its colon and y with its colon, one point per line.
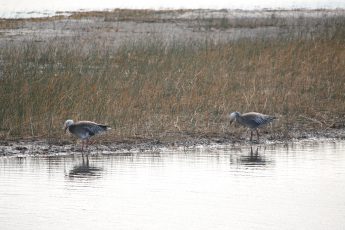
x: 36, y: 8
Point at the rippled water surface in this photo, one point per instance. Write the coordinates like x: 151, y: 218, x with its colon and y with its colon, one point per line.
x: 300, y: 186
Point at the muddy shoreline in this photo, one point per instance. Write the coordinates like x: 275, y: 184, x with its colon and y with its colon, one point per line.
x: 53, y: 147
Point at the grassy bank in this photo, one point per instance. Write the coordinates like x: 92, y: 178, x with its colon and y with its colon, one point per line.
x: 147, y: 88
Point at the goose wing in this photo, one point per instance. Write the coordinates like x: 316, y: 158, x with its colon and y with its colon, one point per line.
x: 257, y: 119
x: 91, y: 127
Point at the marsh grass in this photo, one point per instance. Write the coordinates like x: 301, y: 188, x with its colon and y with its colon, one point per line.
x: 147, y: 89
x: 128, y: 15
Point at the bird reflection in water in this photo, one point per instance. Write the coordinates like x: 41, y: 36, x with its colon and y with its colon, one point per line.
x: 253, y: 159
x: 84, y: 170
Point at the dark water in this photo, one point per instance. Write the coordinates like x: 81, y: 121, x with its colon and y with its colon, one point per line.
x: 298, y: 186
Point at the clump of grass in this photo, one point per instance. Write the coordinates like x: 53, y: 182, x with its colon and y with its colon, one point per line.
x: 11, y: 24
x: 6, y: 24
x: 136, y: 15
x: 147, y: 88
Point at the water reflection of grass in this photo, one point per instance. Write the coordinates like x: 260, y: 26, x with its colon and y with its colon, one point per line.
x: 146, y: 88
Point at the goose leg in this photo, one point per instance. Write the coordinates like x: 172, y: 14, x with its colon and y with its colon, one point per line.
x: 87, y: 143
x: 257, y: 133
x: 82, y: 145
x: 251, y: 135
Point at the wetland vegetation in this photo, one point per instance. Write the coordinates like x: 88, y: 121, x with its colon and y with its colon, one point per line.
x: 148, y: 87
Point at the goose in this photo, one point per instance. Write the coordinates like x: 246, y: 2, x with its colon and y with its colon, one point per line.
x: 251, y: 120
x: 84, y: 129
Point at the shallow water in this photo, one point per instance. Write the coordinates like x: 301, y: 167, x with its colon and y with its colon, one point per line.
x: 298, y: 186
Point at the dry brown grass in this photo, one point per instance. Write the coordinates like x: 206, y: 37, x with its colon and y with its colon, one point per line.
x: 11, y: 24
x: 147, y: 88
x: 127, y: 15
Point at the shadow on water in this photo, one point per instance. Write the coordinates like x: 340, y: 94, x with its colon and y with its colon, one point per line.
x: 83, y: 169
x: 253, y: 159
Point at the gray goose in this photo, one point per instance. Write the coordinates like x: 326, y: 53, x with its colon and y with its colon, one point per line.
x: 84, y: 129
x: 251, y: 120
